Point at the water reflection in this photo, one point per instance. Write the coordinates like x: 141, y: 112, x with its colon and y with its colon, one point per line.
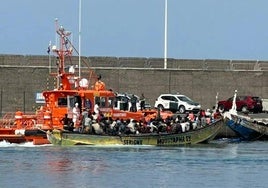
x: 68, y: 161
x: 237, y: 165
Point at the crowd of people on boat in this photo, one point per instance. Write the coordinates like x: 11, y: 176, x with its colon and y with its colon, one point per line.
x: 97, y: 123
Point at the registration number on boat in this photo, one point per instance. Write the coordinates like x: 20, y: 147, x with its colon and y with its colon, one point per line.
x: 173, y: 140
x: 132, y: 142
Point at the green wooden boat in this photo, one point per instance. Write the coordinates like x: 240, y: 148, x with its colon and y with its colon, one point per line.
x: 200, y: 135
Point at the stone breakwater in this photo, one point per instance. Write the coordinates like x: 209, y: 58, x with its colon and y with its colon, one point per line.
x: 24, y: 76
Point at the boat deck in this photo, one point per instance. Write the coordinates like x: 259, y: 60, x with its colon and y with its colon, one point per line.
x: 259, y: 117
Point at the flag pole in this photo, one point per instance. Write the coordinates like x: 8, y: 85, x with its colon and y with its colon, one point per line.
x: 49, y: 57
x: 165, y: 48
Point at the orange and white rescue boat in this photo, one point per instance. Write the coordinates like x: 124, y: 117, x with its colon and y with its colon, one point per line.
x: 20, y: 128
x: 59, y: 102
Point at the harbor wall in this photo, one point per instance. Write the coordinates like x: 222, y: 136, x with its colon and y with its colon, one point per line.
x: 24, y: 76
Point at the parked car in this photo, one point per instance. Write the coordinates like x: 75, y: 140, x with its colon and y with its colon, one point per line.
x: 265, y: 105
x: 243, y: 103
x: 176, y: 102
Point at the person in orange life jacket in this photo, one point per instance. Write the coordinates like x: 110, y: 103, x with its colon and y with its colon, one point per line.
x: 99, y: 85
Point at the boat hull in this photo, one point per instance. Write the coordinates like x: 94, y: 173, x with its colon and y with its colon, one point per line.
x: 262, y: 129
x: 196, y: 136
x: 260, y: 126
x: 244, y: 127
x: 36, y: 136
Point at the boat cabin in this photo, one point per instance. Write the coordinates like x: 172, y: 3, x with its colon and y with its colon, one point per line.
x: 61, y: 102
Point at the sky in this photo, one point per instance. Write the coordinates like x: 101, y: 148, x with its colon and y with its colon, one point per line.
x: 197, y: 29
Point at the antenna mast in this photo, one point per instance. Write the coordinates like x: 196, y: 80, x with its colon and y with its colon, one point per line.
x: 79, y: 39
x: 65, y: 49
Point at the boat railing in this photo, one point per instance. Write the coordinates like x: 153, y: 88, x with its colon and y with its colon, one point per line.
x: 29, y: 121
x: 8, y: 120
x: 40, y: 118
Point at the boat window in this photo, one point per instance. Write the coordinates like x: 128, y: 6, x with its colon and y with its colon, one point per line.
x: 105, y: 101
x: 111, y: 101
x: 97, y: 100
x: 62, y: 101
x: 88, y: 103
x: 72, y: 100
x: 101, y: 101
x: 77, y: 100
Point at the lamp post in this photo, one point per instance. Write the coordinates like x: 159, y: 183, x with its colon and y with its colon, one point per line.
x: 165, y: 45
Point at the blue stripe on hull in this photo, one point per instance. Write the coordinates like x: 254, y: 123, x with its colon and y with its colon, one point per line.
x: 244, y: 132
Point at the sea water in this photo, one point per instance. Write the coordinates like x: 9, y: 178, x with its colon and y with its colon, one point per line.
x: 220, y: 164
